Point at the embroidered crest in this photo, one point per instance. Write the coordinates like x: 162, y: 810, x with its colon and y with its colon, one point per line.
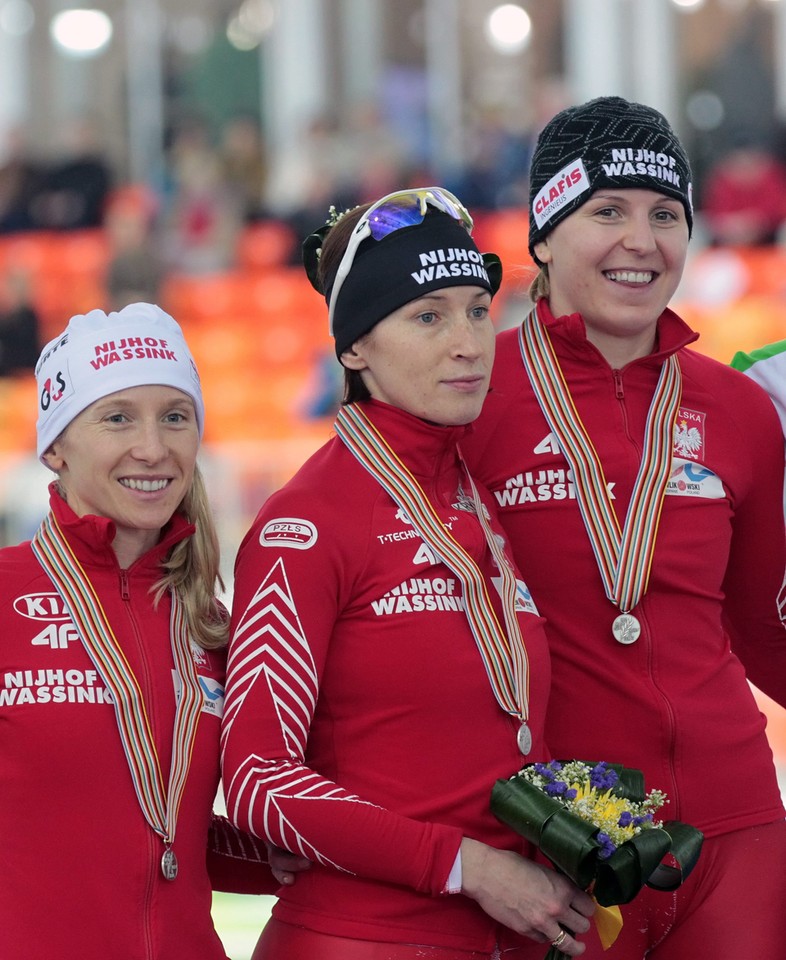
x: 689, y: 434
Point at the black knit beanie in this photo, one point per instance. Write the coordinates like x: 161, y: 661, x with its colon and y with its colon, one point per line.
x: 607, y: 142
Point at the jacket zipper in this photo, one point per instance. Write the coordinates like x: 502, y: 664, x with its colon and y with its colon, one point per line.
x: 619, y: 393
x: 152, y: 839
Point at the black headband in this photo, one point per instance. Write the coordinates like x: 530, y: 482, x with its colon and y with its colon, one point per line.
x: 407, y: 264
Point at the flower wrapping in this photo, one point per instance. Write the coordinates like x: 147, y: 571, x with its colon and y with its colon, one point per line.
x: 596, y: 824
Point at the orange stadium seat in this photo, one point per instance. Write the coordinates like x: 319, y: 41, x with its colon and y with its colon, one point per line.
x: 45, y: 251
x: 25, y: 251
x: 18, y: 412
x: 264, y: 245
x: 505, y: 232
x: 742, y: 325
x: 82, y: 252
x: 211, y: 299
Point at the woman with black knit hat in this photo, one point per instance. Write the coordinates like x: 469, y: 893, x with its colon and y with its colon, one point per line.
x: 387, y: 664
x: 639, y: 482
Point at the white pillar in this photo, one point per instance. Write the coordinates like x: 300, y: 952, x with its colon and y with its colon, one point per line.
x: 144, y: 83
x: 69, y: 88
x: 595, y: 61
x: 654, y: 61
x: 779, y: 42
x: 294, y: 72
x: 14, y: 77
x: 443, y: 69
x: 361, y: 49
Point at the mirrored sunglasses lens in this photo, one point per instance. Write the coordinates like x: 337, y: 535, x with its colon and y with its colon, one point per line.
x: 394, y: 215
x: 452, y: 206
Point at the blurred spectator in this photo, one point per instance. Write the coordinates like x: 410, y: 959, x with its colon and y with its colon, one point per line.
x: 19, y: 337
x: 204, y: 219
x: 244, y: 165
x: 75, y: 186
x: 20, y: 179
x: 744, y: 199
x: 324, y: 389
x: 380, y: 160
x: 135, y: 272
x: 497, y: 168
x: 311, y: 176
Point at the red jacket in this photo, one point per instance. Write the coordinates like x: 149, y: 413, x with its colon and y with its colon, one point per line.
x: 81, y: 870
x: 360, y: 726
x: 675, y: 703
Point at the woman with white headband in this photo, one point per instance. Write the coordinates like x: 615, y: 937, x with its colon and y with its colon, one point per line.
x: 112, y: 664
x: 387, y: 663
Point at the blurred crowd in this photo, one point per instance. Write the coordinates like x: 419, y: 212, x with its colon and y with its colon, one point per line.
x: 217, y: 182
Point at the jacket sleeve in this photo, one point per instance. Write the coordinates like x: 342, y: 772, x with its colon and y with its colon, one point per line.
x: 236, y: 861
x: 287, y: 599
x: 753, y: 586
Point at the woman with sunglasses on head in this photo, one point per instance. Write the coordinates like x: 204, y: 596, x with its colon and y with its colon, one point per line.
x: 113, y: 667
x: 387, y: 664
x: 639, y: 483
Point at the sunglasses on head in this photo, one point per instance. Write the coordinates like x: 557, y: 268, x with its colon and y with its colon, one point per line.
x: 405, y: 208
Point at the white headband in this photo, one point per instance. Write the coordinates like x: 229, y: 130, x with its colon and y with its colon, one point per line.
x: 98, y: 354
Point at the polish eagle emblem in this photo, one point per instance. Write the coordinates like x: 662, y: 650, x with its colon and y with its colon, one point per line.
x: 687, y: 440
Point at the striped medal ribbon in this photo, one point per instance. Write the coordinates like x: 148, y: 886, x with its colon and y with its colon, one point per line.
x: 624, y: 556
x: 160, y: 807
x: 504, y: 654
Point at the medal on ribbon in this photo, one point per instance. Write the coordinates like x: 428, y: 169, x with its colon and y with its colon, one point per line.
x: 503, y: 652
x: 159, y: 806
x: 623, y: 554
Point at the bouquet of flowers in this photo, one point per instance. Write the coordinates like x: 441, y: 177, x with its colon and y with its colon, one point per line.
x: 597, y: 825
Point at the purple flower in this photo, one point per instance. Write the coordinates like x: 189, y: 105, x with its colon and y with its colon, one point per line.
x: 557, y: 788
x: 571, y: 794
x: 602, y: 777
x: 626, y: 818
x: 607, y: 845
x: 544, y: 770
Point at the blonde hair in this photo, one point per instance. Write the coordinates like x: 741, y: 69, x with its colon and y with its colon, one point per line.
x: 192, y: 570
x: 540, y: 288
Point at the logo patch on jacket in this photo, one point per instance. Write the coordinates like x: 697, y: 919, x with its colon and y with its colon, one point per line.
x: 288, y: 532
x: 689, y: 479
x: 689, y: 434
x: 42, y: 606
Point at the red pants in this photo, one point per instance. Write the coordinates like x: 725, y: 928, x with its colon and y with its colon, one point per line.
x: 732, y: 907
x: 283, y: 941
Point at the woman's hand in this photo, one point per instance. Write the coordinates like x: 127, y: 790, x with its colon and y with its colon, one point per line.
x: 285, y: 866
x: 532, y: 900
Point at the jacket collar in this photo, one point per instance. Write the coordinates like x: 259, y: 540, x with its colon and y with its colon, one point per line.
x: 673, y: 333
x: 425, y: 448
x: 91, y: 537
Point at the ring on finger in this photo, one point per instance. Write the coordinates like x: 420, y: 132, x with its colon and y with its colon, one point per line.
x: 560, y: 939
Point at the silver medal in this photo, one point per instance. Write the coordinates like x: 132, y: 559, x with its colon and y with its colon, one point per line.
x: 524, y: 739
x: 169, y: 864
x: 626, y: 628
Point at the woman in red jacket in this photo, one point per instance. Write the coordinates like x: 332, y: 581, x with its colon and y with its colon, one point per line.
x: 112, y: 664
x: 640, y: 484
x: 387, y: 663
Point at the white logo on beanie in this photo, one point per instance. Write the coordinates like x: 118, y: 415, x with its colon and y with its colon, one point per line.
x: 638, y: 162
x: 100, y: 354
x: 567, y: 184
